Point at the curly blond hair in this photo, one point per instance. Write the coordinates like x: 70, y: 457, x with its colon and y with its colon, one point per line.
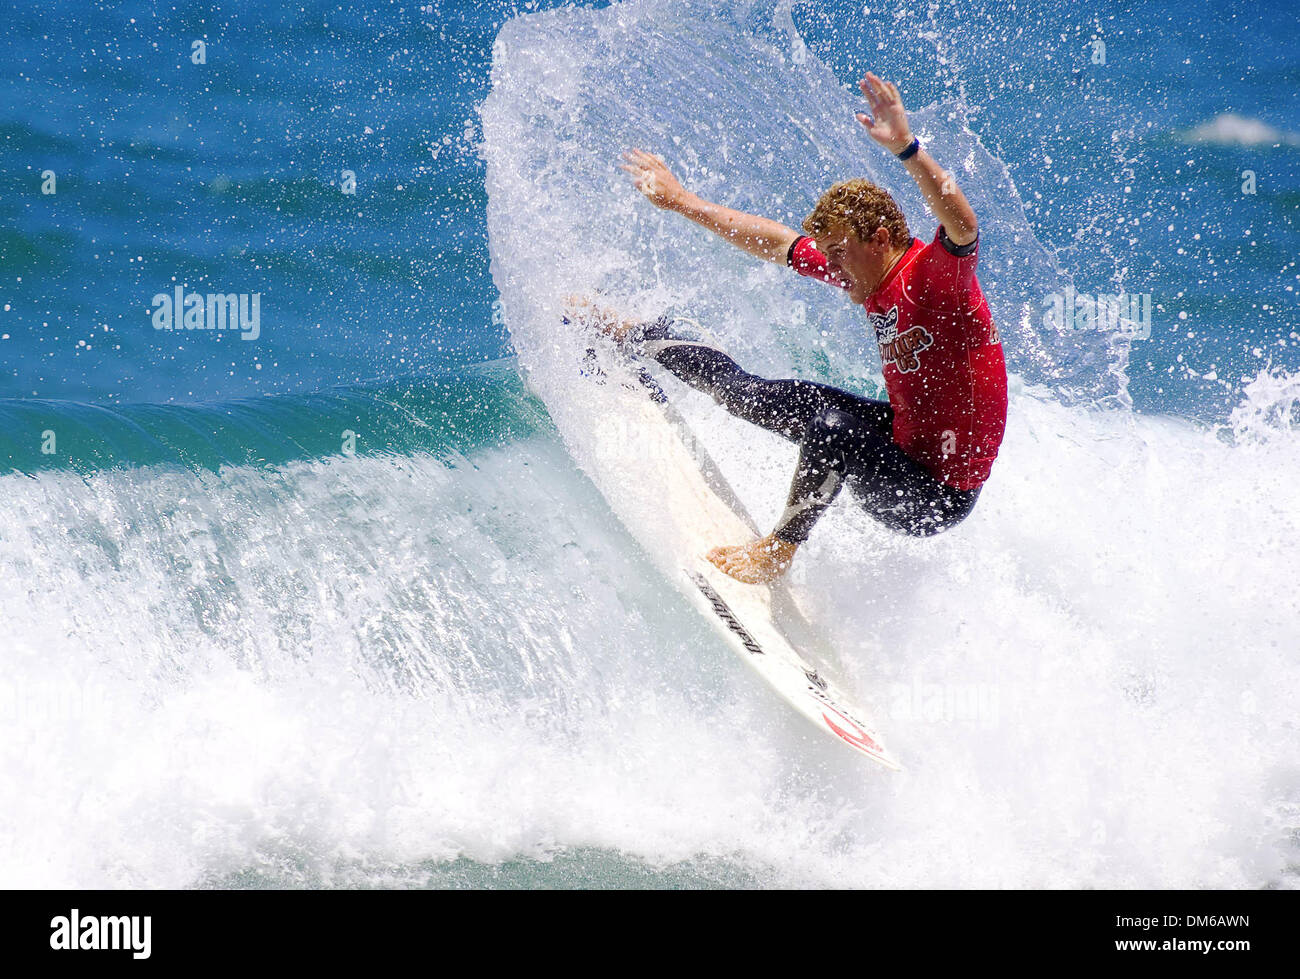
x: 858, y: 206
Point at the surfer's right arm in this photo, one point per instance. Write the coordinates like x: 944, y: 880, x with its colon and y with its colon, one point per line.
x: 761, y: 237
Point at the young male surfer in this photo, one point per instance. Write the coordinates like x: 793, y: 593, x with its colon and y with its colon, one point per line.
x: 915, y: 463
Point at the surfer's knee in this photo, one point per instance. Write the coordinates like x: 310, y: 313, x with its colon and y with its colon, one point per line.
x: 831, y: 431
x: 702, y: 367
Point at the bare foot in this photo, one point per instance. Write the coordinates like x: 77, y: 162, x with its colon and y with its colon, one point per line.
x: 602, y: 318
x: 754, y: 563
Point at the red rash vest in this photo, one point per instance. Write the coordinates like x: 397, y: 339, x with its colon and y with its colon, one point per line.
x: 941, y: 354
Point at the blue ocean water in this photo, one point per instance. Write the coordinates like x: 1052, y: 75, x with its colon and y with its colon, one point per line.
x: 360, y: 545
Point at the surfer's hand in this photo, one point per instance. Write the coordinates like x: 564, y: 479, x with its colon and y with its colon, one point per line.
x: 887, y: 122
x: 653, y: 178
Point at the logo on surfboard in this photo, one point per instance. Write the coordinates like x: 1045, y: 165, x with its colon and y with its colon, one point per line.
x: 855, y: 735
x: 725, y: 614
x: 848, y: 729
x: 815, y: 679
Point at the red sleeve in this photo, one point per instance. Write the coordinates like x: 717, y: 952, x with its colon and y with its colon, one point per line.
x: 946, y: 280
x: 805, y: 259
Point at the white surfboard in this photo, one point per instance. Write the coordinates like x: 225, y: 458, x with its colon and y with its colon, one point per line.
x: 705, y: 511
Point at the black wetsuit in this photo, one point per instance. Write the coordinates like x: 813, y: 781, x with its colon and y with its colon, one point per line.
x: 842, y: 437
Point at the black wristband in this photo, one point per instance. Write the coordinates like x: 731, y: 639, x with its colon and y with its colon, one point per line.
x: 910, y: 152
x: 954, y: 249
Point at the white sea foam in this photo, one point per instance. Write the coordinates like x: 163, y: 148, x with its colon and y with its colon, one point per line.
x: 1230, y: 129
x: 1091, y: 682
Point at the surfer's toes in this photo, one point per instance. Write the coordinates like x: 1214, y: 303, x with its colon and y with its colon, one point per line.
x: 721, y: 557
x: 737, y: 562
x: 756, y: 563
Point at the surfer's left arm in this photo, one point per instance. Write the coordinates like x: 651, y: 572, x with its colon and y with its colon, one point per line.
x: 888, y: 126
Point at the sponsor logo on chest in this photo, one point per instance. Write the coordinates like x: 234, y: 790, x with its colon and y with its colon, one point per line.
x: 903, y: 350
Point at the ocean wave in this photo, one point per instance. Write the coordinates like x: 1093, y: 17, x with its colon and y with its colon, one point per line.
x: 1230, y: 129
x: 450, y: 412
x: 394, y: 670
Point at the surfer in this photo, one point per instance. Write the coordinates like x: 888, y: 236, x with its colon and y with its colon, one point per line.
x: 916, y: 463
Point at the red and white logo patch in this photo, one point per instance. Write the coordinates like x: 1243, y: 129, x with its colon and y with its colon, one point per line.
x: 903, y: 350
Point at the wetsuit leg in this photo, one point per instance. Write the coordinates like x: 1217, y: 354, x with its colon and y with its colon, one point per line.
x: 785, y: 406
x: 838, y: 449
x: 843, y: 438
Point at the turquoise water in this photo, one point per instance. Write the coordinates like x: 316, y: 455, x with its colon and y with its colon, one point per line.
x: 343, y: 606
x: 450, y: 412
